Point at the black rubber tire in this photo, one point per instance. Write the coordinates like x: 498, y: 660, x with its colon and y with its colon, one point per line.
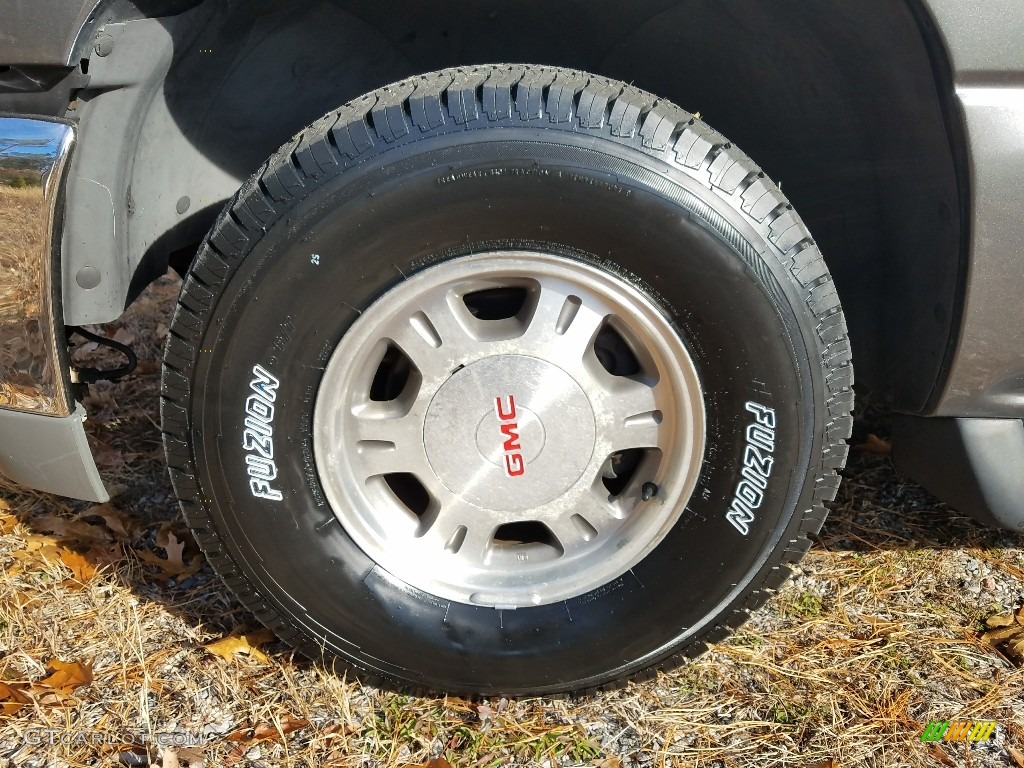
x: 488, y: 157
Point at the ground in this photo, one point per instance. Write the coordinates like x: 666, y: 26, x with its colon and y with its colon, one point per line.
x: 109, y: 622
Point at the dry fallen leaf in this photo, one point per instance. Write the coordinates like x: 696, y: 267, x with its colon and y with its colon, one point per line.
x: 113, y: 518
x: 874, y: 444
x: 7, y: 520
x: 173, y: 565
x: 146, y: 368
x: 45, y: 548
x: 1016, y: 754
x: 11, y: 699
x: 21, y: 599
x: 276, y: 730
x: 883, y: 627
x: 939, y: 754
x: 110, y: 459
x: 77, y: 531
x: 67, y: 676
x: 55, y: 690
x: 108, y: 555
x: 175, y: 550
x: 124, y: 336
x: 337, y: 729
x: 1016, y: 648
x: 1006, y: 634
x: 35, y: 543
x: 268, y: 731
x: 82, y: 569
x: 248, y: 644
x: 192, y: 757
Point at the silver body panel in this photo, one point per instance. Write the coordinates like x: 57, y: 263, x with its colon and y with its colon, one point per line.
x: 42, y: 31
x: 983, y: 39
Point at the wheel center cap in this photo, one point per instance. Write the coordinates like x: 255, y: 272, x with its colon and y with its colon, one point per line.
x: 509, y: 432
x: 519, y: 432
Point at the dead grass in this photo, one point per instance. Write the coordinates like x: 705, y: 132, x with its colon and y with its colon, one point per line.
x: 877, y: 635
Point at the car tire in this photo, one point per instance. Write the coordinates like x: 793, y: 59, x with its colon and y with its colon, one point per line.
x: 506, y: 380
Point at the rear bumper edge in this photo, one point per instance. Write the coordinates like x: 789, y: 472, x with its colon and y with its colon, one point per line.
x: 50, y: 453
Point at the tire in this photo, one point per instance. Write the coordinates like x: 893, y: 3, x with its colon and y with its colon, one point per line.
x: 709, y: 323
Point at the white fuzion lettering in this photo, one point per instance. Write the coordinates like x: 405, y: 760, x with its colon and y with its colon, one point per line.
x: 757, y: 468
x: 258, y: 436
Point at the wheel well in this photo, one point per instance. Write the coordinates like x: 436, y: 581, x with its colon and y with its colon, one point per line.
x: 839, y: 102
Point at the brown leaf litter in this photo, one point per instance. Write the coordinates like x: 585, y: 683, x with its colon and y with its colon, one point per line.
x: 54, y: 690
x: 248, y: 644
x: 173, y: 566
x: 1006, y: 634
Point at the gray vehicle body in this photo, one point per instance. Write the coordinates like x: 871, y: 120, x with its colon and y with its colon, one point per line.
x: 893, y: 125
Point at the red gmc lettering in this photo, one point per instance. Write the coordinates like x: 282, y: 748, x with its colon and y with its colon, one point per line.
x: 514, y: 464
x: 506, y: 411
x: 511, y: 433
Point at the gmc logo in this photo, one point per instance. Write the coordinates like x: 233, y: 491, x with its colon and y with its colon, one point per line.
x: 514, y: 464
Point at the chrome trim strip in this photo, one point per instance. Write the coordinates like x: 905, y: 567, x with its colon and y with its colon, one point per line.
x: 33, y: 355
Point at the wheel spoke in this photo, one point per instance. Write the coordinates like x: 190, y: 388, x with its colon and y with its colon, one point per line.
x: 405, y: 430
x: 631, y: 418
x: 381, y: 458
x: 431, y: 334
x: 457, y: 528
x: 563, y: 320
x: 390, y: 444
x: 590, y: 519
x: 439, y: 309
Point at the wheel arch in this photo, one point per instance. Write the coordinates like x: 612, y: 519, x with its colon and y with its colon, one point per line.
x: 846, y: 105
